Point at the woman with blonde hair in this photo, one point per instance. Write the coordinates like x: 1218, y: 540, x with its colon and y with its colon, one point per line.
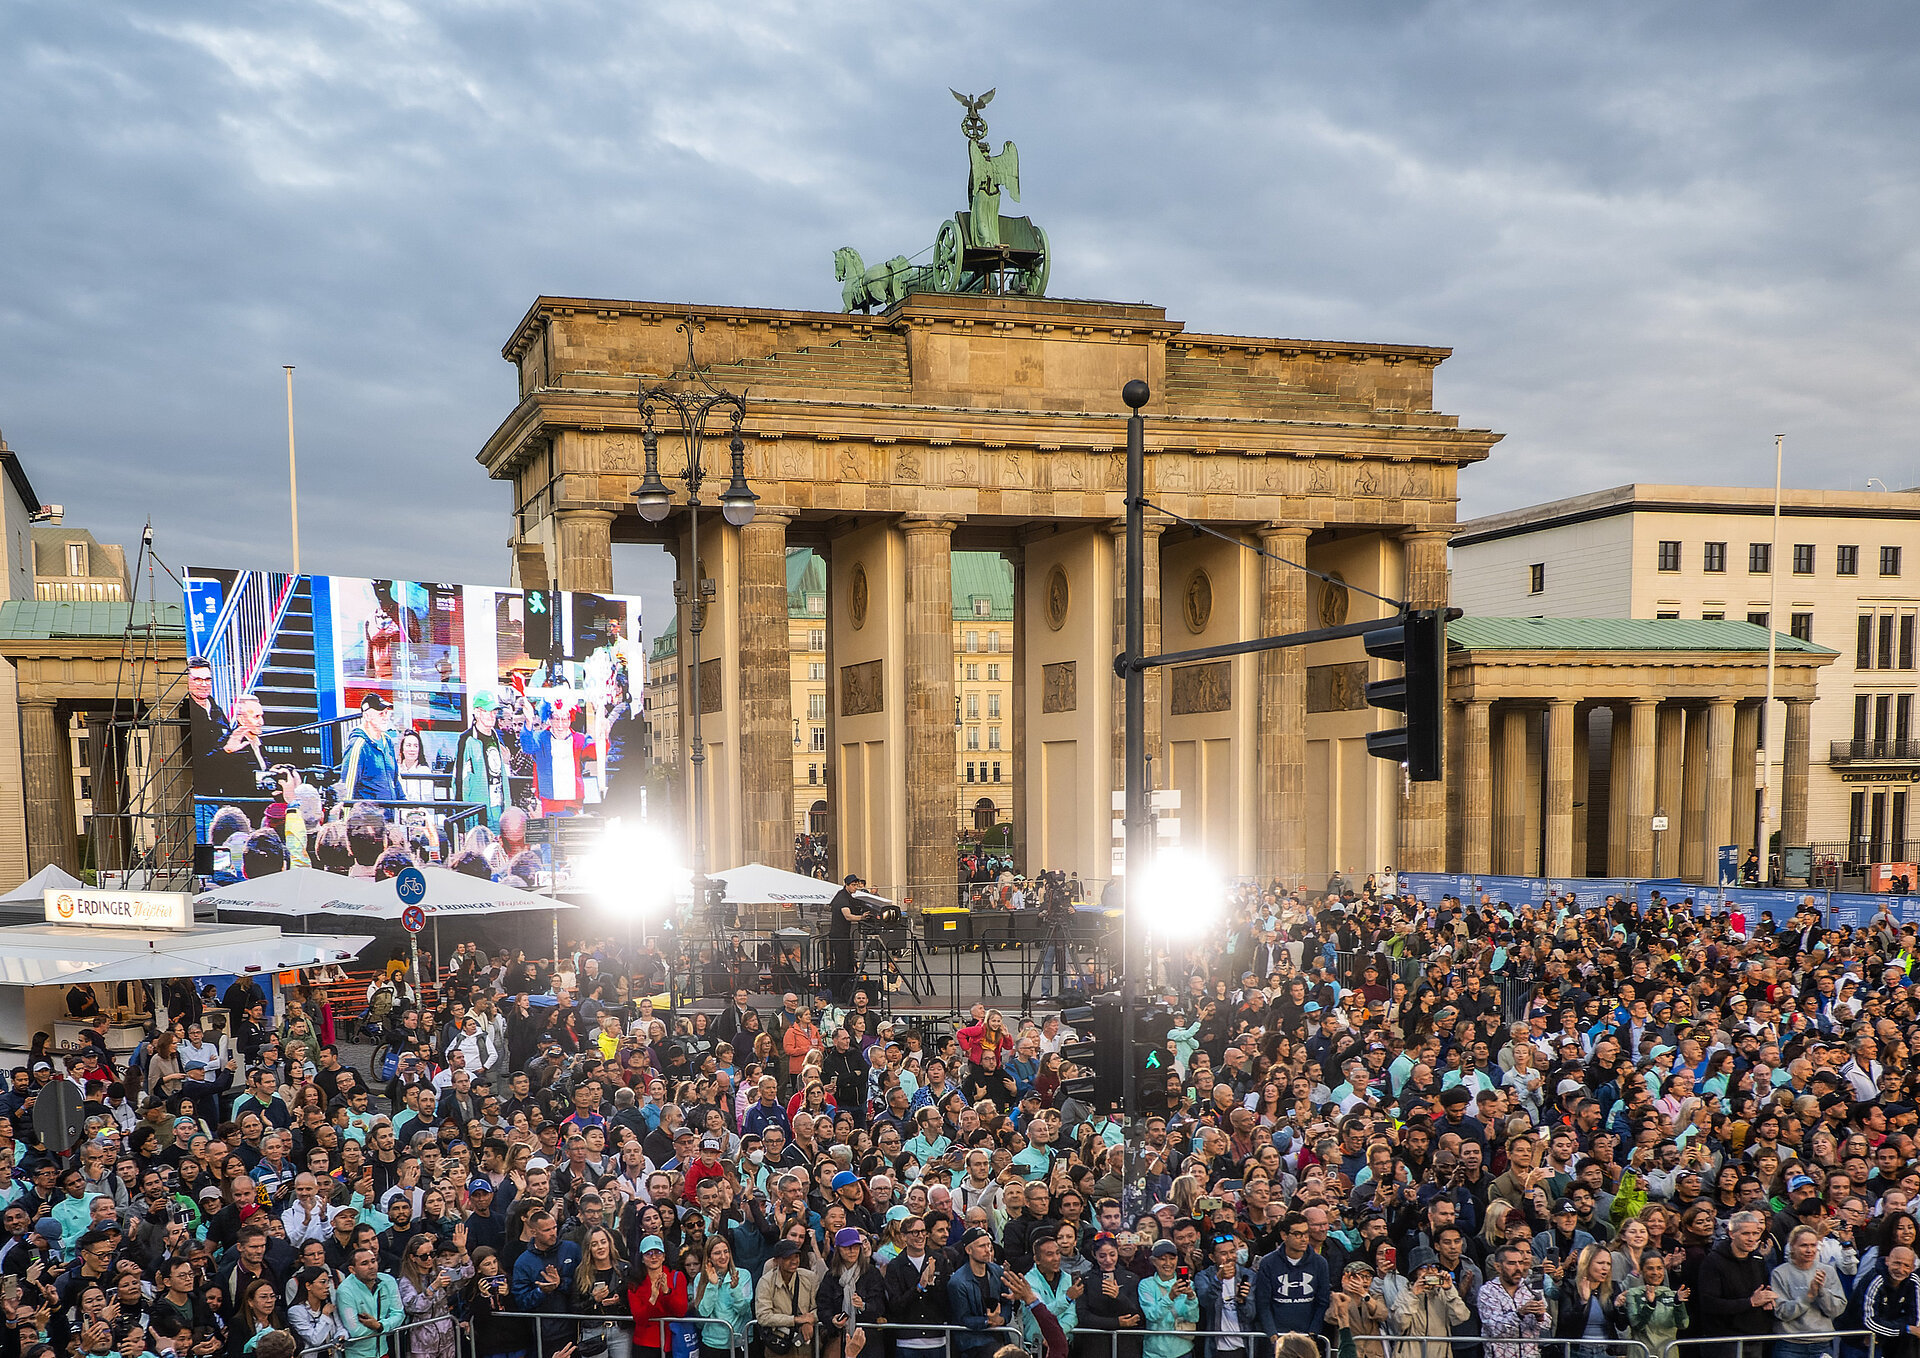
x: 600, y: 1282
x: 1590, y: 1307
x: 723, y: 1291
x: 426, y: 1293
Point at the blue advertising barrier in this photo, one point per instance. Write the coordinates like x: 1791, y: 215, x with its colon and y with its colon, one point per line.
x: 1841, y: 909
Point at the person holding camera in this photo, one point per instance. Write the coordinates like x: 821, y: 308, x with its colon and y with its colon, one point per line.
x: 1433, y: 1306
x: 783, y: 1303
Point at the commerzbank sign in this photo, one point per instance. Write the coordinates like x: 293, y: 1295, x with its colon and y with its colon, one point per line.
x: 119, y: 909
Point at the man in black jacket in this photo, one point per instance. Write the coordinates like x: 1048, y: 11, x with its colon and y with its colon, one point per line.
x: 917, y: 1292
x: 1734, y: 1300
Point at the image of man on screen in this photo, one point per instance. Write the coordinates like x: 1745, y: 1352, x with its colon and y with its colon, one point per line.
x: 371, y: 772
x: 560, y: 756
x: 207, y: 724
x: 480, y: 762
x: 234, y: 769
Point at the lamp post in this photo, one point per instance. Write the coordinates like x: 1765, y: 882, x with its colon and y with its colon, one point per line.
x: 691, y: 397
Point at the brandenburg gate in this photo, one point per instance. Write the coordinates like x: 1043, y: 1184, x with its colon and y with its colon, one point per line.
x: 968, y: 412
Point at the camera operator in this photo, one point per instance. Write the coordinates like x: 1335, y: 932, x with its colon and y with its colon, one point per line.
x: 847, y: 910
x: 1056, y: 911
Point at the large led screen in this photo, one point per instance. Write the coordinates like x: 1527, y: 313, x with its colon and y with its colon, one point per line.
x: 357, y: 725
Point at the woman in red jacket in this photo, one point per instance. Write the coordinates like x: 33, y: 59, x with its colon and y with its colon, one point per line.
x: 659, y: 1293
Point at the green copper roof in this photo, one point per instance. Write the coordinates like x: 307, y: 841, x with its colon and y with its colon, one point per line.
x: 668, y: 642
x: 976, y: 575
x: 51, y: 619
x: 1618, y: 634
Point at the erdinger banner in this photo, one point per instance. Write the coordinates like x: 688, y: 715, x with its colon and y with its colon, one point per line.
x: 355, y: 725
x: 119, y: 909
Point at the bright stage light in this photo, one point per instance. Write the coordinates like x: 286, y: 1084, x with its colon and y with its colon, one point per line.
x: 635, y: 866
x: 1180, y: 895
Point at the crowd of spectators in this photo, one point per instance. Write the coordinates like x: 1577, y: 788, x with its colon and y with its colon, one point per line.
x: 1486, y: 1131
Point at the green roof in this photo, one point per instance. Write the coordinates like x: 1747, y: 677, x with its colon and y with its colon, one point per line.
x: 975, y: 575
x: 1619, y: 634
x: 53, y: 619
x: 668, y: 642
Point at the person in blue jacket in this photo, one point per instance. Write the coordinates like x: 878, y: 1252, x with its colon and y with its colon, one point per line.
x: 1292, y: 1286
x: 543, y: 1278
x: 974, y: 1296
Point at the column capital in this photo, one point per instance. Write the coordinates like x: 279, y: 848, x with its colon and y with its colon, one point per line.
x: 1414, y: 532
x: 1291, y: 526
x: 768, y: 516
x: 1152, y: 528
x: 928, y: 523
x: 1642, y: 701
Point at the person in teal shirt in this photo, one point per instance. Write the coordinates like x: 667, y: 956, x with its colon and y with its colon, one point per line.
x: 929, y: 1143
x: 723, y: 1292
x: 1168, y: 1302
x: 1054, y: 1287
x: 72, y: 1210
x: 368, y: 1305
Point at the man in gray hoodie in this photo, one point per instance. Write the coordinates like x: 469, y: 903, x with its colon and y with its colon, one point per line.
x: 1807, y: 1298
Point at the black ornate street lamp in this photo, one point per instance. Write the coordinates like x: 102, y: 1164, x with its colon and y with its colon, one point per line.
x: 691, y: 397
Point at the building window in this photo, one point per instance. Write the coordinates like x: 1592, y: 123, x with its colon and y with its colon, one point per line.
x: 1906, y: 641
x: 813, y: 775
x: 973, y: 642
x: 1537, y: 577
x: 816, y: 670
x: 1889, y: 561
x: 816, y: 707
x: 1759, y: 619
x: 1846, y: 561
x: 973, y: 707
x: 1759, y: 557
x: 1714, y: 561
x: 817, y: 605
x: 993, y: 704
x: 1885, y: 658
x: 819, y: 745
x: 993, y: 674
x: 1667, y: 615
x: 969, y: 771
x: 1902, y: 716
x: 1669, y: 555
x: 993, y: 737
x: 1856, y: 822
x: 996, y: 771
x: 982, y: 606
x: 817, y: 639
x: 1712, y: 617
x: 1802, y: 626
x: 1898, y: 830
x: 993, y: 639
x: 1862, y: 706
x: 1803, y: 558
x: 1863, y: 643
x: 77, y: 558
x: 973, y: 737
x: 973, y: 673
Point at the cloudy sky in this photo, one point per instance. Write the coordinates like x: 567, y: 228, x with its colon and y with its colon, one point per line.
x: 1653, y: 234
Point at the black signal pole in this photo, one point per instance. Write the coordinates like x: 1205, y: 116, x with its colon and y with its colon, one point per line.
x: 1134, y: 684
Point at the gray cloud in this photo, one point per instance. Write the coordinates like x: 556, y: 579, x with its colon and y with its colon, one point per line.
x: 1653, y: 234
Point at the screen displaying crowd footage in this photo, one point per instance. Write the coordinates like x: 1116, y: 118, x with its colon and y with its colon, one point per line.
x: 334, y: 720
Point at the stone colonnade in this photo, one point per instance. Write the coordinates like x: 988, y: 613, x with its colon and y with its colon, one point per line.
x: 1528, y: 803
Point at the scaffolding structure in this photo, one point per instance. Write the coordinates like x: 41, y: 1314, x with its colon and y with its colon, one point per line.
x: 140, y: 836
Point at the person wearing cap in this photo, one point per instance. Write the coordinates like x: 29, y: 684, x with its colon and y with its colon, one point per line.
x: 1168, y: 1302
x: 974, y: 1295
x: 485, y: 1225
x: 784, y: 1306
x: 853, y: 1295
x: 371, y: 770
x: 479, y: 760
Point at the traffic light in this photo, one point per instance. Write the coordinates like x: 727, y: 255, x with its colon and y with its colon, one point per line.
x: 536, y: 621
x: 1098, y: 1036
x: 1419, y: 643
x: 1152, y: 1059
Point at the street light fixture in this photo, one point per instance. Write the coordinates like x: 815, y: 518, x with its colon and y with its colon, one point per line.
x: 691, y: 397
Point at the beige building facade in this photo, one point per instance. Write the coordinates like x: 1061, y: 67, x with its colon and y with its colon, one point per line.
x: 1845, y: 575
x: 980, y: 423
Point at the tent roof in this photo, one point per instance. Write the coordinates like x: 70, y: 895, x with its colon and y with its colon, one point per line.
x: 309, y: 891
x: 49, y: 954
x: 756, y: 884
x: 50, y: 878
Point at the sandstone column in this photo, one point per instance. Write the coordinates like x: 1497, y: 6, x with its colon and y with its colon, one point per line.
x: 932, y: 793
x: 1641, y: 786
x: 1793, y: 773
x: 1746, y: 742
x: 766, y: 692
x: 1693, y: 799
x: 1557, y: 756
x: 1150, y: 615
x: 1281, y: 829
x: 1512, y: 790
x: 1017, y: 558
x: 1717, y: 818
x: 1670, y: 739
x: 586, y: 549
x: 1619, y: 764
x: 46, y: 762
x: 1423, y: 806
x: 1582, y: 799
x: 1476, y: 835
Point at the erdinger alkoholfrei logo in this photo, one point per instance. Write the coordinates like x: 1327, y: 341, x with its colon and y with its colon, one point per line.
x: 65, y: 906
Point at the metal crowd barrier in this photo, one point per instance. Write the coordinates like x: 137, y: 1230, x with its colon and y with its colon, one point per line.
x: 1013, y: 1332
x: 387, y: 1341
x: 1762, y: 1345
x: 735, y: 1343
x: 1252, y: 1337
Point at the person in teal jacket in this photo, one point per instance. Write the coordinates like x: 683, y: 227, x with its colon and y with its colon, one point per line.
x: 1168, y: 1303
x: 73, y: 1211
x: 368, y: 1305
x: 723, y: 1292
x: 1055, y: 1288
x: 1185, y: 1043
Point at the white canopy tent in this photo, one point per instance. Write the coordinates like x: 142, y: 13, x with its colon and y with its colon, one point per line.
x: 307, y: 891
x: 758, y: 884
x: 50, y: 954
x: 32, y: 891
x: 295, y: 892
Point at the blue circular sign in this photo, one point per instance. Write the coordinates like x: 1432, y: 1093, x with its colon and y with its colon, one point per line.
x: 411, y: 884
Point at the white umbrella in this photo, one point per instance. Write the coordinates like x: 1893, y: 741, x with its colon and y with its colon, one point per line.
x: 33, y: 891
x: 297, y: 891
x: 757, y: 884
x: 454, y: 893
